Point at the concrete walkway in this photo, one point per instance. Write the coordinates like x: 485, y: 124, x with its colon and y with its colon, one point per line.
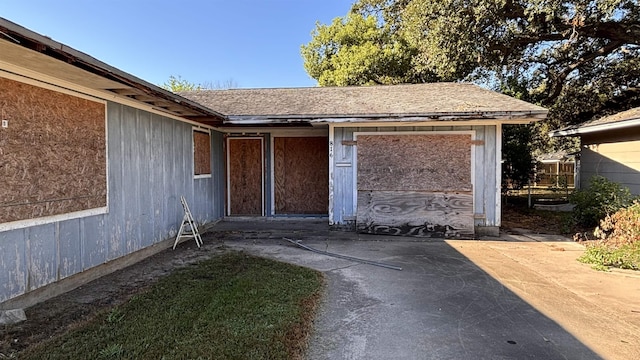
x: 520, y: 296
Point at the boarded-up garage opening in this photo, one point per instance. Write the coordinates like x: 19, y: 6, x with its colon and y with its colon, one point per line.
x: 52, y: 153
x: 301, y: 175
x: 245, y: 176
x: 418, y: 185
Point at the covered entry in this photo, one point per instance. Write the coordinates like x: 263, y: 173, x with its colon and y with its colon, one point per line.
x: 415, y: 184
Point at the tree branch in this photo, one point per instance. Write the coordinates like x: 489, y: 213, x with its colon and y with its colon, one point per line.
x: 558, y: 79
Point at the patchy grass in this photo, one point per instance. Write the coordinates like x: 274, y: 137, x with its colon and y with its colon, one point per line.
x: 603, y: 256
x: 233, y: 306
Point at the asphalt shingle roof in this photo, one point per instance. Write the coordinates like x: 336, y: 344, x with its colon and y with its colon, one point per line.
x: 630, y: 114
x: 398, y: 100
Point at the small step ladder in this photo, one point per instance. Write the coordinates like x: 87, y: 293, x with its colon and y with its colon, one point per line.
x: 188, y: 228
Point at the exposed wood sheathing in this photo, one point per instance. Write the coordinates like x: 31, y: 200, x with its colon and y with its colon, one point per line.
x: 415, y: 213
x: 418, y: 185
x: 201, y: 153
x: 416, y: 162
x: 245, y: 176
x: 52, y: 154
x: 301, y: 175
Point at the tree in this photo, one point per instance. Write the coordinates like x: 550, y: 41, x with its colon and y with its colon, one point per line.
x: 517, y: 167
x: 358, y: 50
x: 579, y: 58
x: 177, y: 84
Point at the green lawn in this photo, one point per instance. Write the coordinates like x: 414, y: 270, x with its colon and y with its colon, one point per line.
x: 233, y: 306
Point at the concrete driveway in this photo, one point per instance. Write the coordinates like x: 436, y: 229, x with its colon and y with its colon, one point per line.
x: 520, y: 296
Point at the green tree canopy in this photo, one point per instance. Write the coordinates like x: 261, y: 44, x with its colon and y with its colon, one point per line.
x: 579, y: 58
x: 177, y: 84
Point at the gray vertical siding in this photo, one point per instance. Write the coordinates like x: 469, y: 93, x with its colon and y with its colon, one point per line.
x: 343, y: 162
x: 150, y: 165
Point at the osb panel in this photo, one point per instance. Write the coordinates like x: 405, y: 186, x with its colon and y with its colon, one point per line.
x: 301, y: 175
x: 52, y: 154
x: 245, y: 176
x: 414, y: 162
x: 415, y: 213
x: 201, y: 153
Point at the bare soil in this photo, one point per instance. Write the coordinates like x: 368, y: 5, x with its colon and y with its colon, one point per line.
x: 55, y: 316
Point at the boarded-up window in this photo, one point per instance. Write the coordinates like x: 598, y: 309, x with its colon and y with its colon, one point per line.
x: 416, y: 185
x: 201, y: 152
x: 52, y: 153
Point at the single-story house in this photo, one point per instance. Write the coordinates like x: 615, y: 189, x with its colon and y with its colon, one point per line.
x: 94, y: 161
x: 610, y: 147
x: 419, y: 160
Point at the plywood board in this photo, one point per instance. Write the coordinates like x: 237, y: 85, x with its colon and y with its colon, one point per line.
x: 414, y: 162
x: 245, y: 176
x: 201, y: 153
x: 52, y: 154
x: 414, y: 213
x: 301, y: 175
x: 416, y: 185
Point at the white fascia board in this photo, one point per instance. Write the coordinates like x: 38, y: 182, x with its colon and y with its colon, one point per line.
x: 432, y: 123
x: 596, y: 128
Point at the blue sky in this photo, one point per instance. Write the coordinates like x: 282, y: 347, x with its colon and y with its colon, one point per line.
x: 252, y: 42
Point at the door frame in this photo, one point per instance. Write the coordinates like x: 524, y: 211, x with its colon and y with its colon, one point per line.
x: 272, y: 167
x: 262, y: 171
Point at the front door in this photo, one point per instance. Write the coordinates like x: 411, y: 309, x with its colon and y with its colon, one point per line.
x: 245, y: 176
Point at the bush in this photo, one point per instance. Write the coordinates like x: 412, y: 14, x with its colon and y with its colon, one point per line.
x: 619, y: 240
x: 603, y: 197
x: 622, y: 227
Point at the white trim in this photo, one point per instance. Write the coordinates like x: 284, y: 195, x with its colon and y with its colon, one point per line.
x: 21, y: 224
x: 292, y: 132
x: 596, y: 128
x: 413, y: 123
x: 202, y: 176
x: 262, y: 171
x: 13, y: 72
x: 193, y: 153
x: 272, y: 174
x: 498, y: 204
x: 471, y: 133
x: 331, y: 175
x: 272, y: 158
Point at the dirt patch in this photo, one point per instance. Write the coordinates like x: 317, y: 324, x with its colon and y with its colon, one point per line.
x: 59, y: 314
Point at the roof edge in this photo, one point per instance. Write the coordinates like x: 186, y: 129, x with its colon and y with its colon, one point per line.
x: 32, y: 40
x: 493, y: 115
x: 576, y: 131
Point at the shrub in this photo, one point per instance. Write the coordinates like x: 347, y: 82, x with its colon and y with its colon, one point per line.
x: 621, y: 227
x: 603, y: 197
x: 619, y: 240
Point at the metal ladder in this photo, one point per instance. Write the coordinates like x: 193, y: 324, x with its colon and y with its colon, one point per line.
x: 188, y: 228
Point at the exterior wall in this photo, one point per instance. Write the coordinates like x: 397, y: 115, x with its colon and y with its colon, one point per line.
x: 486, y: 201
x: 614, y: 155
x: 150, y: 165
